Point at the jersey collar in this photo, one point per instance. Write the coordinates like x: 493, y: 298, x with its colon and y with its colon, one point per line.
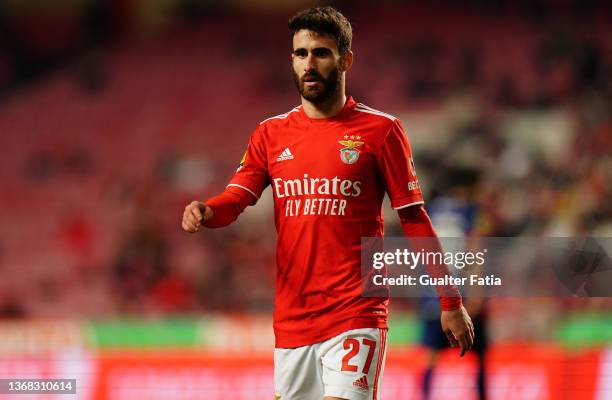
x: 346, y: 110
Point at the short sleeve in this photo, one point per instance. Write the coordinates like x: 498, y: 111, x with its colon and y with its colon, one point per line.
x: 252, y: 173
x: 397, y: 167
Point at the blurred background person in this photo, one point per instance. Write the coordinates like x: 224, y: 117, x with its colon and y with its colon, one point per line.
x: 455, y: 211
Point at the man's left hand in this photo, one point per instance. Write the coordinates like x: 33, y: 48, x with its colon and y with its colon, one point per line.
x: 458, y: 327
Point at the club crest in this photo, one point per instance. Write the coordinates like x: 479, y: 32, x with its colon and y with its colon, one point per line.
x: 349, y: 154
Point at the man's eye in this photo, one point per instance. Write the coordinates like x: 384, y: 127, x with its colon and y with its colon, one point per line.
x: 300, y: 53
x: 321, y: 52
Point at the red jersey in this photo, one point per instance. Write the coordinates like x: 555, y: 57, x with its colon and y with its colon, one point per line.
x: 328, y: 179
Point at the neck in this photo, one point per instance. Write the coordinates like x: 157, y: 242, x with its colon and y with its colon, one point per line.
x: 327, y: 109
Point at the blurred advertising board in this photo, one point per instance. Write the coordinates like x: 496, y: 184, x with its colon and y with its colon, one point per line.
x: 213, y: 358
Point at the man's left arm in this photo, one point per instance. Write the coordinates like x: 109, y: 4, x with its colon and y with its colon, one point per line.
x: 397, y: 167
x: 456, y: 322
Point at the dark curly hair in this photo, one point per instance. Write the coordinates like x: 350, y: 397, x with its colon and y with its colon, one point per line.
x: 325, y: 21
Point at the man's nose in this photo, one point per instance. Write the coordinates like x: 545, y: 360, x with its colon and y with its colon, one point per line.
x: 310, y: 63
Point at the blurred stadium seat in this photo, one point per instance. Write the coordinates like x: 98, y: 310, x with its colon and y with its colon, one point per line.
x: 102, y: 142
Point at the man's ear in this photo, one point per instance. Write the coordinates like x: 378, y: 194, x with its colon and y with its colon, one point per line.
x: 346, y: 61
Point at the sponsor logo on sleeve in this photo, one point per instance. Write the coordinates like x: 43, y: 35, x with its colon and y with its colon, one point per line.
x: 242, y: 161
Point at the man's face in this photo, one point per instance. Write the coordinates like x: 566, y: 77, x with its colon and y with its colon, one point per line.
x: 317, y: 67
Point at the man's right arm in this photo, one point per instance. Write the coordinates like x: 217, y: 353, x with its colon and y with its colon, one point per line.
x: 217, y: 211
x: 243, y: 190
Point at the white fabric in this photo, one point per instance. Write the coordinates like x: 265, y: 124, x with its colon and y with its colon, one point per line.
x: 314, y: 371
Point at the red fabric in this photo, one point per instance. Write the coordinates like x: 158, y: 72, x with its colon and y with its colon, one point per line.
x: 420, y: 232
x: 227, y: 206
x: 328, y: 179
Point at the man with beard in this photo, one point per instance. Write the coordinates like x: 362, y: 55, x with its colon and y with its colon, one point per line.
x: 329, y: 162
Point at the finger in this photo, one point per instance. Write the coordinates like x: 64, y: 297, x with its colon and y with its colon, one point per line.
x: 190, y: 225
x: 472, y: 336
x: 191, y: 218
x: 208, y: 213
x: 187, y: 214
x: 463, y: 343
x: 185, y: 227
x: 195, y: 211
x: 472, y: 333
x: 451, y: 339
x: 470, y: 329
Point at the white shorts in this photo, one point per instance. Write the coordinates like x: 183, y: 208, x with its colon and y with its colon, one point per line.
x: 348, y: 366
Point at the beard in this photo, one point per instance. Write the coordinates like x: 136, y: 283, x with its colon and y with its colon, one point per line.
x: 326, y: 88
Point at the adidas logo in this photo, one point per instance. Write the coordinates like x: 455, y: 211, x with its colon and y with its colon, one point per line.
x: 285, y: 155
x: 362, y: 383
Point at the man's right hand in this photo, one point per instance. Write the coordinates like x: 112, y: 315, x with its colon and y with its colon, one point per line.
x: 196, y: 213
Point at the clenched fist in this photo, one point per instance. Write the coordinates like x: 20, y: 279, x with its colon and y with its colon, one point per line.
x: 196, y: 213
